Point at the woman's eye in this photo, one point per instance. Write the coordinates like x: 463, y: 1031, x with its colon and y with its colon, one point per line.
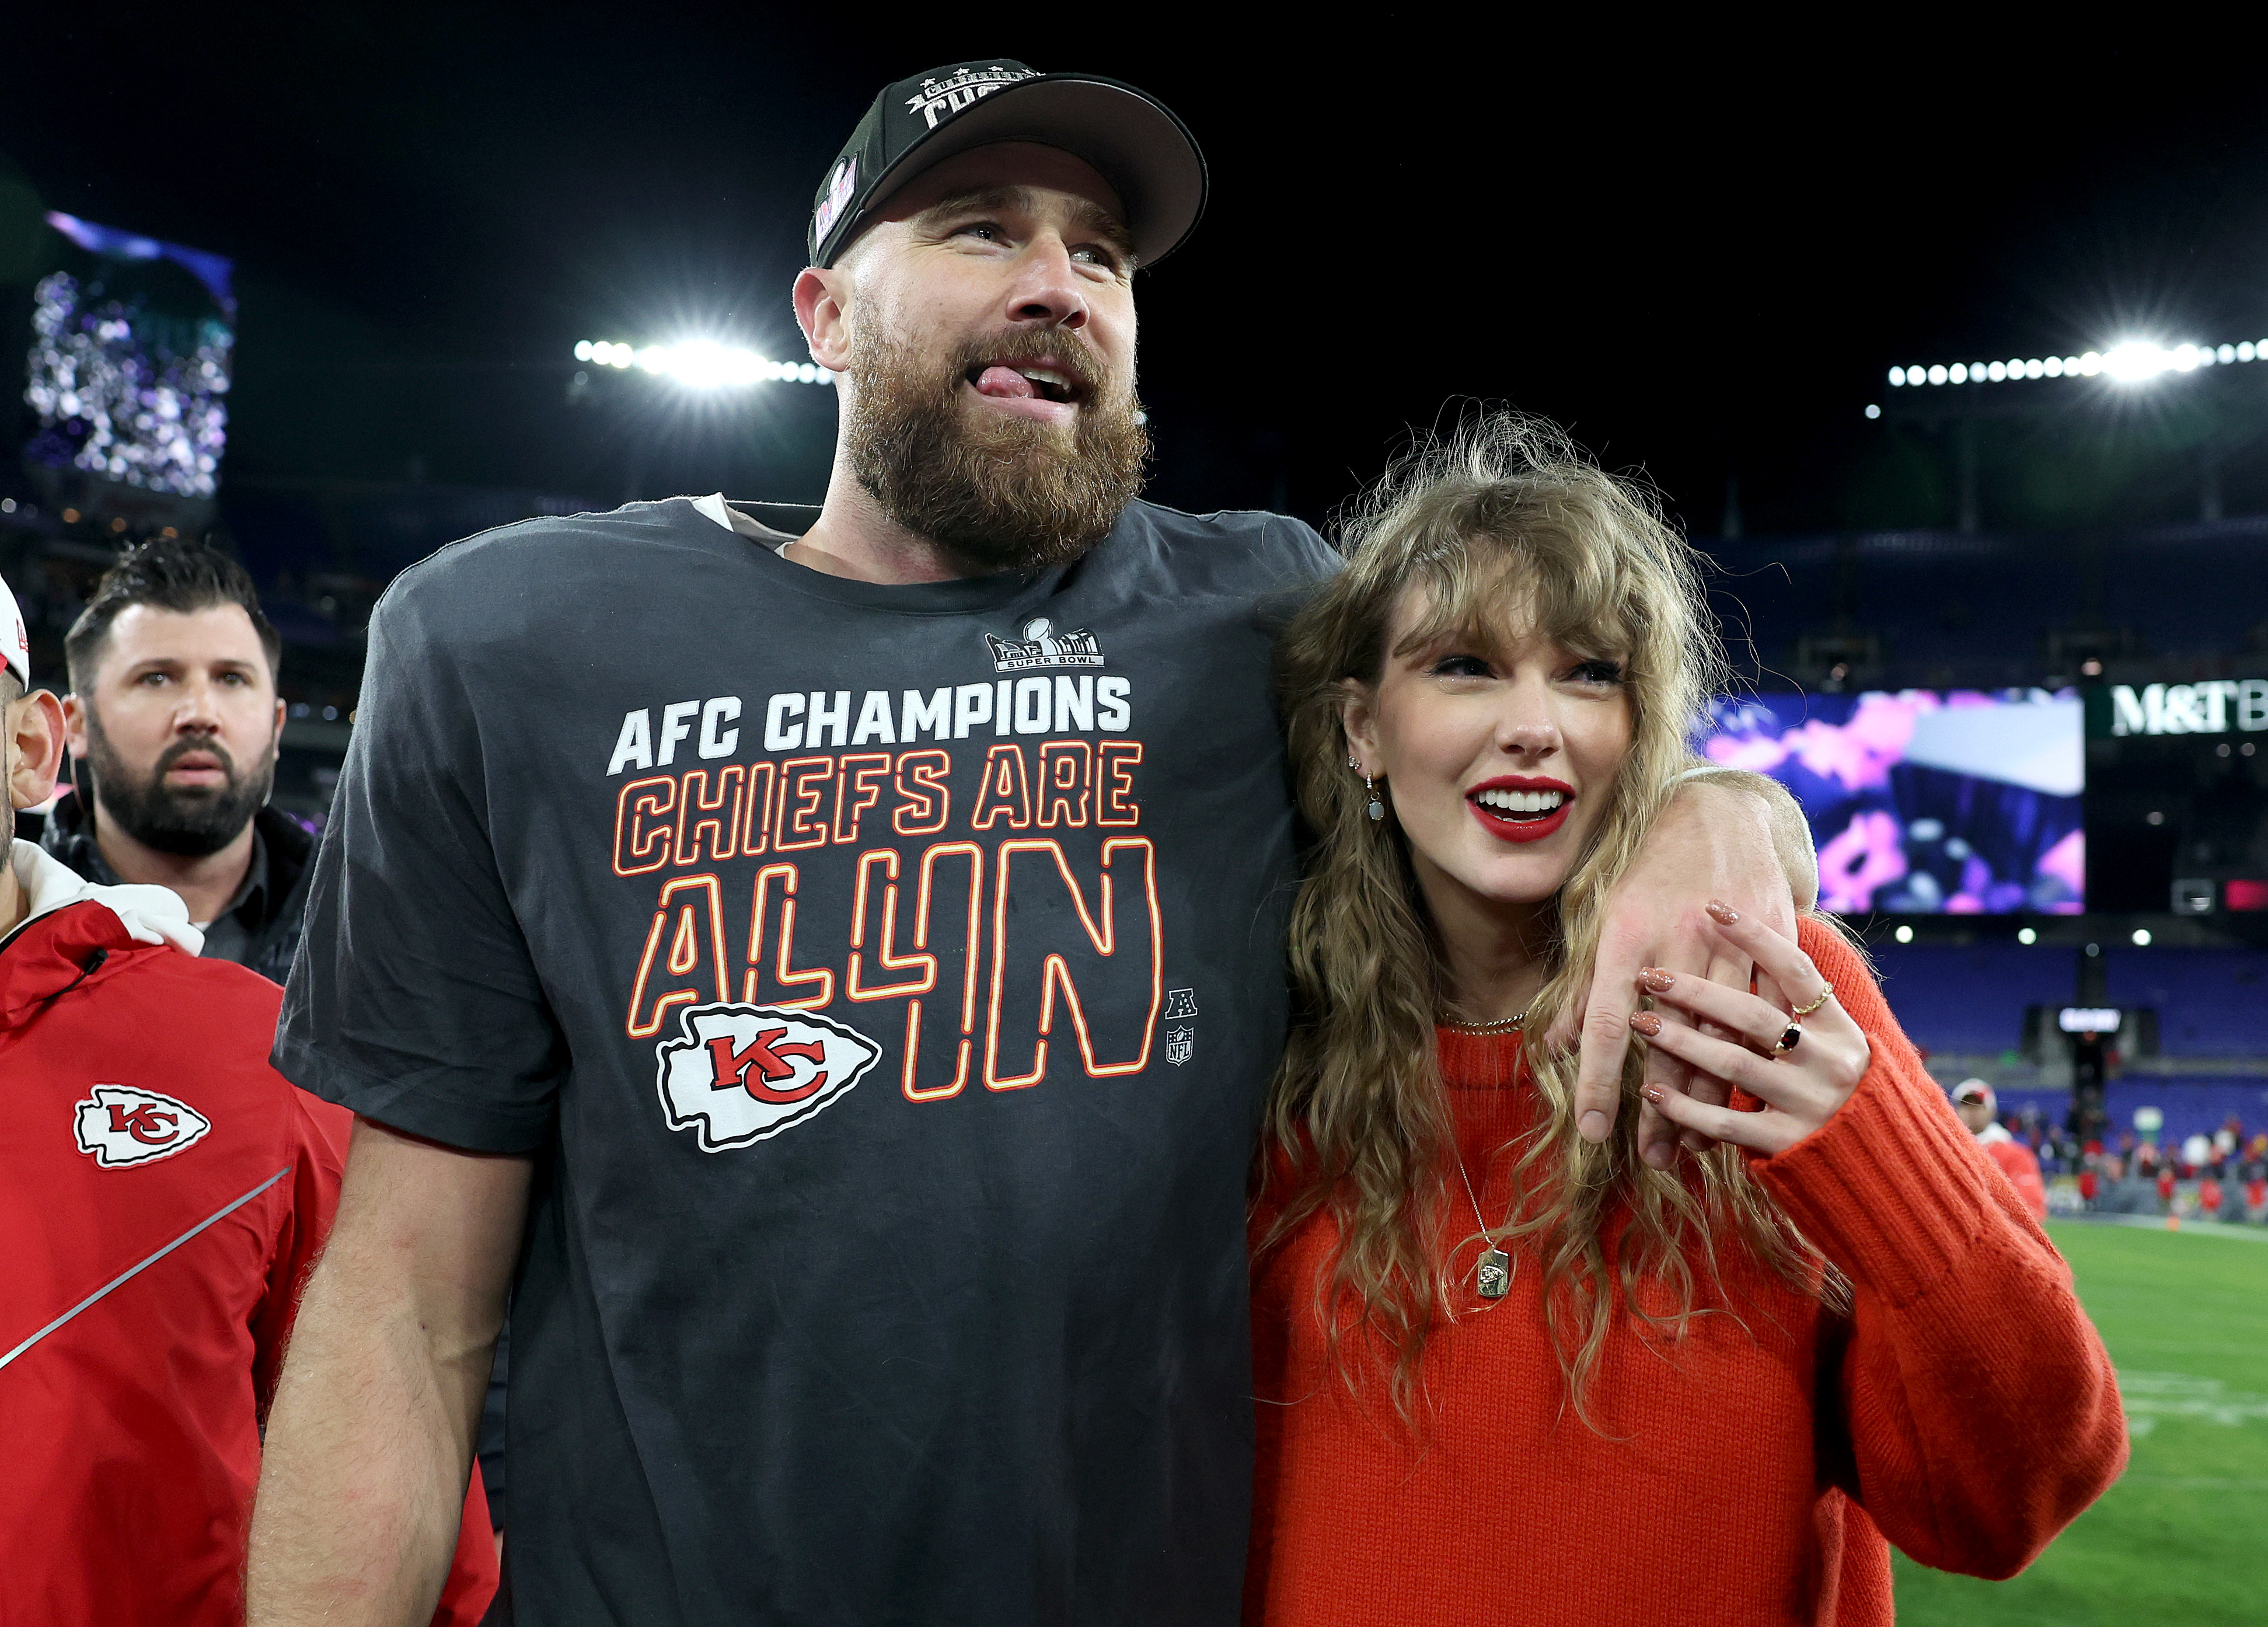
x: 1598, y: 672
x: 1460, y: 667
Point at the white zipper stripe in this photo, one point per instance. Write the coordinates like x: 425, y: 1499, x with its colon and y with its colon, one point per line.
x: 134, y: 1271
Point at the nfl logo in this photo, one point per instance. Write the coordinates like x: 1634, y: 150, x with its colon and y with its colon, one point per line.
x: 1179, y: 1043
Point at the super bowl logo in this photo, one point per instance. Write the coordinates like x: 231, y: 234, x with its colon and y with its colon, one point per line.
x: 840, y: 186
x: 739, y: 1073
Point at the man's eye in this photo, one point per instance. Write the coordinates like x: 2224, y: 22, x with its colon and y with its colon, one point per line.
x: 987, y: 230
x: 1095, y: 254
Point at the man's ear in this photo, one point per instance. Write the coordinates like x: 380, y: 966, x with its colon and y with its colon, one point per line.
x: 1359, y: 717
x: 822, y: 300
x: 75, y: 726
x: 35, y: 748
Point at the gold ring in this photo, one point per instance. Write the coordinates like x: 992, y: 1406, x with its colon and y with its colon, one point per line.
x: 1825, y: 995
x: 1789, y: 1040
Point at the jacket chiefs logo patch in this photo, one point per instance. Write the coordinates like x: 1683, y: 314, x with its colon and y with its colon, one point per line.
x: 121, y: 1125
x: 742, y: 1073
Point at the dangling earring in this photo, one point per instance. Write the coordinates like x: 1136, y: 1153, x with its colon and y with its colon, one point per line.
x: 1377, y: 809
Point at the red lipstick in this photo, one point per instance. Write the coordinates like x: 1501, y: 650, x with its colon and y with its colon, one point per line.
x: 1519, y: 827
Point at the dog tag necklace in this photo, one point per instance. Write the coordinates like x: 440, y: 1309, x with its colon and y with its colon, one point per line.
x: 1493, y: 1274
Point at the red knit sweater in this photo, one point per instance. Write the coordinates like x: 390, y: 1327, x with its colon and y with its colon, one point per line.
x: 1746, y: 1474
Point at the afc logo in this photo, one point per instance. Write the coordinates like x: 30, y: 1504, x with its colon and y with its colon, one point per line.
x: 1181, y: 1040
x: 739, y: 1074
x: 121, y: 1125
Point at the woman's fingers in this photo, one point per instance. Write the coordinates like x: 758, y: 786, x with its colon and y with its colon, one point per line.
x: 1735, y: 1064
x: 1780, y: 959
x: 1733, y: 1012
x: 1765, y: 1132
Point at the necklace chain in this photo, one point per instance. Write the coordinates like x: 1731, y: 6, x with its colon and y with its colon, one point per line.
x: 1503, y: 1025
x: 1493, y: 1269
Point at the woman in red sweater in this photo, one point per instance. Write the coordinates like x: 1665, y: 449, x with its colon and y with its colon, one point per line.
x: 1507, y: 1373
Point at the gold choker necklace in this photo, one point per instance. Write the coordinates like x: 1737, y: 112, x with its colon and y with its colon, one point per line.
x: 1506, y: 1025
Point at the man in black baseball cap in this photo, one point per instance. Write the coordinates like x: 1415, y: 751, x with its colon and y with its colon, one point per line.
x: 827, y: 967
x: 1131, y: 140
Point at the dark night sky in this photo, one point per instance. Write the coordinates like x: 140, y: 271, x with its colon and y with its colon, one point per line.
x: 1700, y: 252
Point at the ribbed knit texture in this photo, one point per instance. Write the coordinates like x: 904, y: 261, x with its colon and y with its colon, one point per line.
x: 1746, y: 1473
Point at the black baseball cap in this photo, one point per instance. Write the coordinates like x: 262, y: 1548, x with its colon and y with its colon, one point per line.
x: 1132, y: 140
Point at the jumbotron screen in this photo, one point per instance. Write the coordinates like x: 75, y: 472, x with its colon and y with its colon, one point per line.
x: 1925, y: 801
x: 128, y: 371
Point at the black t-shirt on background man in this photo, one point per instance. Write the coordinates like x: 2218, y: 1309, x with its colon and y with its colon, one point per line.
x: 888, y: 979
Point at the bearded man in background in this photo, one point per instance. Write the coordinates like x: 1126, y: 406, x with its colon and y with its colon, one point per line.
x: 174, y: 726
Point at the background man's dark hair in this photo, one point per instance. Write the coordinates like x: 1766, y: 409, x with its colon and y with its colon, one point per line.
x: 173, y: 575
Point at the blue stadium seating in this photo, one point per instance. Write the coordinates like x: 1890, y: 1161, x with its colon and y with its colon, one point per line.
x: 1970, y: 999
x: 2210, y: 1001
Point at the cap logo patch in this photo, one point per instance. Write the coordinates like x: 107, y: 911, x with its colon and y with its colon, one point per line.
x: 840, y: 186
x: 739, y: 1073
x: 1041, y: 646
x: 941, y: 99
x: 120, y: 1125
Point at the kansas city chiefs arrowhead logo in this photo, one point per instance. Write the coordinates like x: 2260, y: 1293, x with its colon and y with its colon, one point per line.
x: 121, y: 1124
x: 743, y: 1073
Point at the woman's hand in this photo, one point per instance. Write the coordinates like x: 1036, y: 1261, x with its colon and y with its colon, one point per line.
x: 1801, y: 1087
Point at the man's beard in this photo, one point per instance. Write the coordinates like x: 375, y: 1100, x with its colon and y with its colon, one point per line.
x: 192, y: 821
x: 1002, y: 495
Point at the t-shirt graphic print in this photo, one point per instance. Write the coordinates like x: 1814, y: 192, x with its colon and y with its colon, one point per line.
x: 886, y: 979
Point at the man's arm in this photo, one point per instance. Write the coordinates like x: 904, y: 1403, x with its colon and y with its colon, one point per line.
x: 1730, y: 835
x: 362, y: 1485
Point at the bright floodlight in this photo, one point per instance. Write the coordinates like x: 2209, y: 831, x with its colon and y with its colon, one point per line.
x: 701, y: 364
x: 2137, y: 361
x: 2142, y: 937
x: 2025, y: 934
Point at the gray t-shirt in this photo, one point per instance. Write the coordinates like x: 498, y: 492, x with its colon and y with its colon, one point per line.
x: 888, y: 979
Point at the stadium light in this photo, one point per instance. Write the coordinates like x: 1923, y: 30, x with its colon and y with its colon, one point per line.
x: 700, y: 364
x: 2025, y: 934
x: 2131, y: 361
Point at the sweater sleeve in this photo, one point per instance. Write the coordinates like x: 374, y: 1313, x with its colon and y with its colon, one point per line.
x: 1980, y: 1412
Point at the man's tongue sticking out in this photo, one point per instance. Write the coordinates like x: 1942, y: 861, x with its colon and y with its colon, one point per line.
x: 1006, y: 382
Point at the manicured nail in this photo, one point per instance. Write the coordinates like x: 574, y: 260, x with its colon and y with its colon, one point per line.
x: 1594, y: 1126
x: 1654, y: 1094
x: 1655, y: 978
x: 1724, y: 914
x: 1646, y: 1023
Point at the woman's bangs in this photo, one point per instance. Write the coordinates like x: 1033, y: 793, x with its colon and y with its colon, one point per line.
x: 1481, y: 592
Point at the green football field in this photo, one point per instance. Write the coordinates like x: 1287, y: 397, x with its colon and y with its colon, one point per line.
x: 2179, y: 1539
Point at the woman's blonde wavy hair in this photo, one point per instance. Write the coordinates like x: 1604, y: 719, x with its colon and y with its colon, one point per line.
x: 1503, y: 522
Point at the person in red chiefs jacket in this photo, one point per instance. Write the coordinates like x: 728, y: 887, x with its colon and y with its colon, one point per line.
x: 1979, y: 1109
x: 165, y: 1193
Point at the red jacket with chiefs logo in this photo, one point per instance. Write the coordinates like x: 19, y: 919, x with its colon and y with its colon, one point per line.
x: 165, y: 1192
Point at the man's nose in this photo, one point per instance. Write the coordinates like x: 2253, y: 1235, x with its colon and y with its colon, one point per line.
x: 1047, y: 288
x: 197, y: 711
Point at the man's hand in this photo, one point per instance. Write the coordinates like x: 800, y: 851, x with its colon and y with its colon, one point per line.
x: 1729, y: 835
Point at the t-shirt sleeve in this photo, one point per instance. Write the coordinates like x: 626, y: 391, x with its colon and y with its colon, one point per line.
x: 1312, y: 557
x: 414, y: 1000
